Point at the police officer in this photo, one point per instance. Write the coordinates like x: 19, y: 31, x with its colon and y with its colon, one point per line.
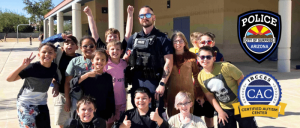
x: 150, y: 54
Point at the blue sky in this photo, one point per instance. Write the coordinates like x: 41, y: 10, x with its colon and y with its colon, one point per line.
x: 18, y: 5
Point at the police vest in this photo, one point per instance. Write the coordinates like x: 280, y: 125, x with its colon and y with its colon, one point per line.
x: 144, y: 53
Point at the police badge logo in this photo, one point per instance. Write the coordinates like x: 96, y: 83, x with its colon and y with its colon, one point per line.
x: 259, y: 94
x: 259, y: 33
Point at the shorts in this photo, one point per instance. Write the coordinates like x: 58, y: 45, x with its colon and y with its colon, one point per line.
x: 60, y: 115
x: 33, y: 116
x: 120, y: 109
x: 207, y: 110
x: 247, y: 122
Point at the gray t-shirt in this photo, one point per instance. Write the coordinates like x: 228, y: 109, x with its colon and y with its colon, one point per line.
x: 36, y: 84
x: 76, y: 67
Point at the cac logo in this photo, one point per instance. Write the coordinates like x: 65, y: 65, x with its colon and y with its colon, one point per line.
x: 259, y: 33
x: 259, y: 88
x: 259, y: 94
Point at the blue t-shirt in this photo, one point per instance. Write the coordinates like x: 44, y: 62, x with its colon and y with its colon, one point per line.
x: 36, y: 84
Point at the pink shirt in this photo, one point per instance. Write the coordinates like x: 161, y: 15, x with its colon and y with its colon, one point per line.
x: 117, y: 73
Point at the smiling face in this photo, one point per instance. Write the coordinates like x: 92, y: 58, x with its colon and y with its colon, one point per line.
x: 112, y: 37
x: 46, y: 54
x: 206, y: 63
x: 88, y: 48
x: 86, y: 112
x: 99, y: 61
x: 142, y: 100
x: 184, y: 106
x: 146, y: 22
x: 115, y: 51
x: 178, y: 44
x: 70, y: 47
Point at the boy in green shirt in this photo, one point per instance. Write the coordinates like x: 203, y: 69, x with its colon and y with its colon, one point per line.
x: 219, y: 82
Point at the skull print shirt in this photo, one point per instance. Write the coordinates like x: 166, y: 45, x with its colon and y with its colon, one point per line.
x: 222, y: 82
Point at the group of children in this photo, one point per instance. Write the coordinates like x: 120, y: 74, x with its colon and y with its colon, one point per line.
x: 89, y: 89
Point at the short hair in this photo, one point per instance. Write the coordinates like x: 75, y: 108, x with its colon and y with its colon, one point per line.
x: 86, y: 100
x: 73, y: 38
x: 142, y: 90
x: 206, y: 48
x: 146, y: 6
x: 195, y: 36
x: 211, y: 35
x: 181, y: 35
x: 182, y: 95
x: 47, y: 44
x: 113, y: 43
x: 101, y: 50
x: 87, y: 37
x: 112, y: 31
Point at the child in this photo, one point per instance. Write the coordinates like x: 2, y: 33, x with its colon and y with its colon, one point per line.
x: 185, y: 119
x: 184, y: 67
x: 98, y: 84
x: 208, y: 39
x: 141, y: 117
x: 226, y: 77
x: 115, y: 67
x: 32, y: 98
x: 194, y: 40
x: 76, y: 67
x: 64, y: 55
x: 85, y: 117
x: 111, y: 33
x: 202, y: 107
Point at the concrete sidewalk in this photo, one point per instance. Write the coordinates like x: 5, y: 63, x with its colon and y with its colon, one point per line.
x: 12, y: 54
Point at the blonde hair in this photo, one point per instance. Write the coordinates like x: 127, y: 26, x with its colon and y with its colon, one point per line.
x: 112, y: 31
x: 182, y: 95
x: 113, y: 43
x: 195, y: 36
x: 181, y: 35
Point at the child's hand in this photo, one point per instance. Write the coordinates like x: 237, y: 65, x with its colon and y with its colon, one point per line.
x: 87, y: 11
x: 130, y: 10
x: 27, y: 61
x: 154, y: 116
x: 126, y: 123
x: 55, y: 90
x: 92, y: 73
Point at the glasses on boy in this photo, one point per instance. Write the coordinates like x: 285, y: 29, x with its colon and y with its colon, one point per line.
x: 207, y: 57
x: 206, y: 42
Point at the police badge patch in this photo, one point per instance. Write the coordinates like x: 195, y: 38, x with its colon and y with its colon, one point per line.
x: 259, y: 33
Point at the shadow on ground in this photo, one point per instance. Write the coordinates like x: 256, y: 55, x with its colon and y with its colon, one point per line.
x: 272, y: 127
x: 7, y: 104
x: 269, y: 67
x: 20, y: 49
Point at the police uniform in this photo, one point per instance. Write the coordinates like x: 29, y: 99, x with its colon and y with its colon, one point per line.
x: 147, y: 60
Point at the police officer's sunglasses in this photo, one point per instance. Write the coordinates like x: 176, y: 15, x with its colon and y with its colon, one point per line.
x: 148, y: 15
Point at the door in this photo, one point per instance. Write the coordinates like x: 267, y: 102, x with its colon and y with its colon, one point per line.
x: 183, y: 24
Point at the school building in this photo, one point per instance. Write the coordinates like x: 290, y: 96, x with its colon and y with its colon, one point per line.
x: 216, y: 16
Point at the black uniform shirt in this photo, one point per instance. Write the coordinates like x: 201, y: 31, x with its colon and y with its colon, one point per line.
x: 166, y: 46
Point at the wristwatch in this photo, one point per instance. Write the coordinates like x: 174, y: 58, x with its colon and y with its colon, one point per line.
x: 162, y: 83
